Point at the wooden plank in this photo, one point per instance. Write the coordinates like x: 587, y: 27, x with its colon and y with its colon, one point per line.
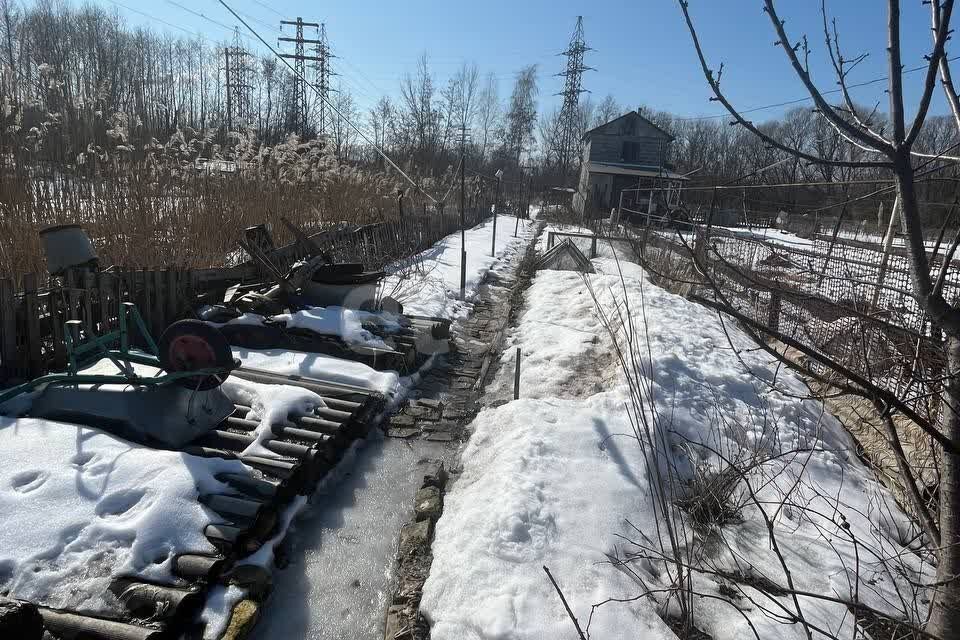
x: 103, y: 306
x: 8, y: 330
x: 175, y: 301
x: 159, y: 309
x: 146, y: 298
x: 89, y: 286
x: 57, y: 315
x: 32, y: 325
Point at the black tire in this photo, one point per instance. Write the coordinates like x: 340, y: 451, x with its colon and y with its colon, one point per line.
x: 189, y: 345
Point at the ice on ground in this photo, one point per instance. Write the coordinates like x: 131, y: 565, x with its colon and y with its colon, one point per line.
x: 429, y: 283
x: 315, y: 365
x: 559, y: 479
x: 341, y: 550
x: 81, y: 507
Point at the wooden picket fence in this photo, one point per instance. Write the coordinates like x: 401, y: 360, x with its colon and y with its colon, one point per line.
x: 32, y: 321
x: 33, y: 316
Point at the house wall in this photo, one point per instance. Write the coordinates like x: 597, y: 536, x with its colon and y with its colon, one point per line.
x: 606, y: 148
x: 606, y: 142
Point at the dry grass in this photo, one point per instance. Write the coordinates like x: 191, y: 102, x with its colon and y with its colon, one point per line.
x: 152, y: 207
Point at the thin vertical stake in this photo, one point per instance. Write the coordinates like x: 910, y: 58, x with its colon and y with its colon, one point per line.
x: 516, y: 378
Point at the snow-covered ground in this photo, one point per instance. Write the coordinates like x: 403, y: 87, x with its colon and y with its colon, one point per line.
x: 81, y: 507
x: 429, y: 283
x: 559, y: 479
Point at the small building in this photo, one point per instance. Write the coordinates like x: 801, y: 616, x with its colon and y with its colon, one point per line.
x: 626, y: 156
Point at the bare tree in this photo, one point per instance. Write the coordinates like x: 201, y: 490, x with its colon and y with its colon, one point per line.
x: 488, y: 114
x: 521, y: 117
x: 891, y: 151
x: 606, y: 110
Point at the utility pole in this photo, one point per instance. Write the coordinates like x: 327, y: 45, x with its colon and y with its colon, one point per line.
x: 226, y: 70
x: 463, y: 208
x: 322, y: 72
x: 566, y: 136
x: 236, y: 66
x: 300, y: 112
x: 496, y: 207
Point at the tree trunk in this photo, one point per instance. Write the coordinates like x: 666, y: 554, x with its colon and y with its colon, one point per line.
x: 945, y: 611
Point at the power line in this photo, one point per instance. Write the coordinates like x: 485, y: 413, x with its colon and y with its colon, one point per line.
x: 156, y: 19
x: 267, y: 7
x: 787, y: 103
x: 208, y: 19
x: 332, y: 107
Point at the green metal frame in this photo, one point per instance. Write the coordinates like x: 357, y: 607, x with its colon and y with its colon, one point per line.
x: 82, y: 354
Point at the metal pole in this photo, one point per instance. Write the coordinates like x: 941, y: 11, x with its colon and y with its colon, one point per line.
x: 516, y: 226
x: 496, y: 205
x: 463, y: 233
x: 516, y: 378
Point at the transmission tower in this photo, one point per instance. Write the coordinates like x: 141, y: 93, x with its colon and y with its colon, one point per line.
x: 237, y: 69
x: 566, y: 142
x: 323, y: 72
x: 299, y: 115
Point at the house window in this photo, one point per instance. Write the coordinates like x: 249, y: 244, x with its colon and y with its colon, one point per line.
x: 631, y: 152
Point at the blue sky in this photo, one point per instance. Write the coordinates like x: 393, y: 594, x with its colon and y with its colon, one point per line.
x: 642, y: 51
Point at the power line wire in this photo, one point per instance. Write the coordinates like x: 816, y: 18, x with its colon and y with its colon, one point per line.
x: 267, y: 7
x: 156, y: 19
x: 208, y: 19
x: 356, y: 129
x: 787, y: 103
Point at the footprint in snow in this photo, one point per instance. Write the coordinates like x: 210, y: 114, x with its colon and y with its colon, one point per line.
x: 122, y: 504
x: 28, y: 481
x: 82, y: 459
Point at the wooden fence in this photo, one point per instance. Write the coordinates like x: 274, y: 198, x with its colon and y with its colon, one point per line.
x: 32, y: 319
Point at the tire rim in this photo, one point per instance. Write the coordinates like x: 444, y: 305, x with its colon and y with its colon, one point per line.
x: 189, y: 353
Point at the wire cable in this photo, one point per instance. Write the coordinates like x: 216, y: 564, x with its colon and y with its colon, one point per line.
x: 333, y: 108
x: 156, y: 19
x: 787, y: 103
x: 210, y: 20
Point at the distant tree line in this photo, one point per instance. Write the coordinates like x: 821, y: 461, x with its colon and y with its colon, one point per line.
x: 81, y: 88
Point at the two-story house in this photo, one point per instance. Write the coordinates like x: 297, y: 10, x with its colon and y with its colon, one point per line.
x: 626, y: 155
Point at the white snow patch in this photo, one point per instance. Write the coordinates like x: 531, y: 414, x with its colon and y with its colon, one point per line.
x: 429, y: 284
x: 81, y: 507
x: 315, y: 365
x: 555, y: 477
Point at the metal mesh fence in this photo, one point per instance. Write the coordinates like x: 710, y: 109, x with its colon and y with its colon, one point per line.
x: 848, y: 301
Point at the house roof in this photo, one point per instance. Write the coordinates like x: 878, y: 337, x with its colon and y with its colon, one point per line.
x: 639, y: 170
x: 631, y: 114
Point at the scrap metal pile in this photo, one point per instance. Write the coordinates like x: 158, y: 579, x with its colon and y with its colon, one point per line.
x: 166, y: 395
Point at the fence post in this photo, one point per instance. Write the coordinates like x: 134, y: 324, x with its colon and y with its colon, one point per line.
x: 32, y: 350
x: 8, y: 329
x: 516, y: 377
x: 593, y: 247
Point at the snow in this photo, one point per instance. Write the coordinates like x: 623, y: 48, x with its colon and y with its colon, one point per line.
x: 81, y: 507
x: 271, y: 405
x: 329, y: 321
x: 774, y: 236
x: 315, y: 365
x: 558, y: 479
x: 429, y: 283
